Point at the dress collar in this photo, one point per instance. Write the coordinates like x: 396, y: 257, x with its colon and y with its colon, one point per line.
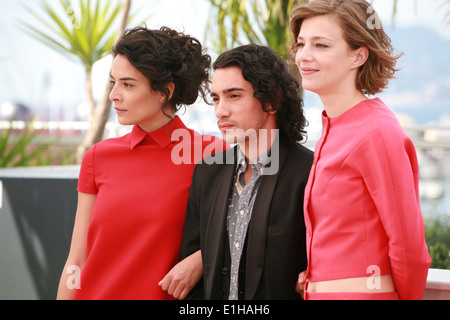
x: 161, y: 136
x: 353, y: 113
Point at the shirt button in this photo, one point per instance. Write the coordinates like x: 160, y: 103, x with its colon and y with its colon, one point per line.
x: 236, y: 245
x: 242, y: 212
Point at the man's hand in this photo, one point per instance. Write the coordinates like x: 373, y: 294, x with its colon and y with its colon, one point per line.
x: 183, y: 276
x: 300, y: 286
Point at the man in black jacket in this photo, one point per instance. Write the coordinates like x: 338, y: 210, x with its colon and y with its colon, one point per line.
x: 245, y: 207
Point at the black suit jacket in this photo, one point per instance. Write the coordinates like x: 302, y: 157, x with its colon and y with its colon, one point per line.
x: 275, y: 243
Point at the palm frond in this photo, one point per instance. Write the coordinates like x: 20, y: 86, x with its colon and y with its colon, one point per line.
x: 251, y: 21
x: 84, y: 31
x: 17, y: 153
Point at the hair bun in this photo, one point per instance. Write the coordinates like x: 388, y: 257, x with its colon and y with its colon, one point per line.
x: 165, y: 56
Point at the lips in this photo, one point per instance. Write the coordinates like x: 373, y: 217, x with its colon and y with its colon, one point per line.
x: 119, y: 110
x: 307, y: 71
x: 224, y: 126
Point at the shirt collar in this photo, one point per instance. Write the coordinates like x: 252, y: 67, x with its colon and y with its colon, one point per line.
x: 258, y: 164
x: 161, y: 136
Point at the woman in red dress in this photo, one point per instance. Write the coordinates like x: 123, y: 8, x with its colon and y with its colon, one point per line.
x: 133, y: 190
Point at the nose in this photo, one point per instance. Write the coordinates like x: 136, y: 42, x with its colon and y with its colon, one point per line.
x: 221, y: 109
x: 114, y: 94
x: 303, y: 54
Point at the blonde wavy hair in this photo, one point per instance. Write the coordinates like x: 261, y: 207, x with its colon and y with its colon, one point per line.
x: 362, y: 28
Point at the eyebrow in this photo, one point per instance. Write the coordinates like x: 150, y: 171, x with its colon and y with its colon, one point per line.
x: 229, y: 90
x: 124, y: 78
x: 315, y: 38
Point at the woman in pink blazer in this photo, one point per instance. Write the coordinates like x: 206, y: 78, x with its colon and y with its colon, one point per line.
x: 365, y: 233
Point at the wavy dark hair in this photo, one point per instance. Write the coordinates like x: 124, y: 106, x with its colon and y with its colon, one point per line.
x: 273, y: 86
x: 165, y: 56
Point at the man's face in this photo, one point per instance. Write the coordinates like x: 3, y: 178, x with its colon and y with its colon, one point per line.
x: 239, y: 114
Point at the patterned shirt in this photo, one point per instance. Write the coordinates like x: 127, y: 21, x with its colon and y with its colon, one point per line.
x: 240, y: 212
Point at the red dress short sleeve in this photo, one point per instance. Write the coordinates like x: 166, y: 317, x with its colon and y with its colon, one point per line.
x: 86, y: 181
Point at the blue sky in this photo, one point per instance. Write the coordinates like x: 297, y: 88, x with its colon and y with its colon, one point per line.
x: 35, y: 75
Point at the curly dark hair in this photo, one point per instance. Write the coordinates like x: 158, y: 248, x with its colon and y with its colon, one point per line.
x: 165, y: 56
x: 273, y: 86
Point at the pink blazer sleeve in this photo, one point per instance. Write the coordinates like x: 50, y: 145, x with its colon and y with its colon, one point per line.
x: 391, y: 173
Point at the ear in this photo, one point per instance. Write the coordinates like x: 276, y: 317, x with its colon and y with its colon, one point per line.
x: 271, y: 110
x: 171, y: 87
x: 360, y: 57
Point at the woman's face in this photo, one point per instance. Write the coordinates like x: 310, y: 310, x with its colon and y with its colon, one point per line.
x: 326, y: 62
x: 134, y: 100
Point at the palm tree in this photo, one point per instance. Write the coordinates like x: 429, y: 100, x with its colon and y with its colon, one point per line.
x: 86, y: 37
x: 267, y: 22
x: 234, y: 22
x: 251, y: 21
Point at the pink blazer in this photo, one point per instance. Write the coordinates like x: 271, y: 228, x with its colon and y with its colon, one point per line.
x: 362, y: 209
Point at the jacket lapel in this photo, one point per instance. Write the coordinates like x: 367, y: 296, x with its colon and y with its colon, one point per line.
x: 216, y: 229
x: 258, y: 227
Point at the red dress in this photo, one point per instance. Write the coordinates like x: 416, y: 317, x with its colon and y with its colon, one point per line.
x: 137, y: 222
